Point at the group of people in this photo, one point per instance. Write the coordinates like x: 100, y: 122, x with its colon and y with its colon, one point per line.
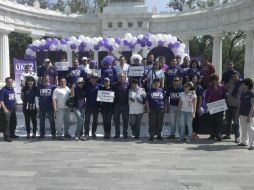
x: 181, y: 87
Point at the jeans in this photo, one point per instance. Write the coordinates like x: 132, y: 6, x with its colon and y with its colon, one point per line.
x: 196, y: 123
x: 135, y: 121
x: 174, y: 122
x: 186, y: 119
x: 215, y: 121
x: 156, y: 117
x: 42, y: 115
x: 10, y: 123
x: 79, y: 113
x: 231, y: 115
x: 62, y: 118
x: 30, y: 115
x: 88, y: 113
x: 107, y: 117
x: 118, y: 110
x: 247, y: 131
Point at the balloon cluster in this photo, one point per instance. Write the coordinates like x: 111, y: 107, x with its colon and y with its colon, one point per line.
x: 142, y: 42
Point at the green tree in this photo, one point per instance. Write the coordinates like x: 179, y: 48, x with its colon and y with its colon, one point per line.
x: 60, y: 5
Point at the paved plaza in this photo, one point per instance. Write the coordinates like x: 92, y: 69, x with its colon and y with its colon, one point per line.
x: 124, y: 165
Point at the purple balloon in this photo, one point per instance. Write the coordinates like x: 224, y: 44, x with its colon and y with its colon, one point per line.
x: 118, y: 41
x: 48, y: 41
x: 73, y: 46
x: 34, y: 48
x: 171, y: 46
x: 47, y: 46
x: 147, y: 34
x: 126, y: 43
x: 55, y: 41
x: 96, y: 47
x: 29, y: 46
x: 106, y: 46
x: 100, y: 43
x: 145, y: 39
x: 105, y: 40
x: 143, y: 44
x: 177, y: 45
x: 131, y: 46
x: 41, y: 48
x: 110, y: 48
x: 139, y: 41
x: 80, y: 48
x: 62, y: 41
x: 160, y: 43
x: 149, y: 43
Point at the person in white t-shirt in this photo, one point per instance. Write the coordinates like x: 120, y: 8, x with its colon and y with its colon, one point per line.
x: 186, y: 110
x: 27, y: 73
x: 155, y: 73
x: 122, y: 67
x: 62, y: 113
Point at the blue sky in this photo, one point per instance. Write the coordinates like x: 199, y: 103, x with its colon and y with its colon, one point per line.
x: 161, y: 4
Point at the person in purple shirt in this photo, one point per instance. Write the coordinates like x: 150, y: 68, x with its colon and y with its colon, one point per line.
x: 48, y: 69
x: 8, y: 109
x: 121, y: 89
x: 226, y: 76
x: 44, y: 106
x: 185, y: 68
x: 28, y: 94
x: 194, y: 70
x: 172, y: 71
x: 215, y: 92
x: 92, y: 106
x: 173, y: 93
x: 156, y: 102
x: 107, y: 71
x: 74, y: 73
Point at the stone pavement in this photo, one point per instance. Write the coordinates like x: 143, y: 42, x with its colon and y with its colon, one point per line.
x: 125, y: 164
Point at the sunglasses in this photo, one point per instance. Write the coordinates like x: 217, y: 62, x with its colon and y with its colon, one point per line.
x: 80, y: 83
x: 185, y: 86
x: 176, y: 80
x: 93, y: 77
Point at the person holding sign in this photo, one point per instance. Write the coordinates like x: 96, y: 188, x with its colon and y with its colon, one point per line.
x: 136, y: 107
x: 156, y: 102
x: 187, y: 110
x: 106, y: 109
x: 136, y: 70
x: 246, y: 114
x: 215, y: 92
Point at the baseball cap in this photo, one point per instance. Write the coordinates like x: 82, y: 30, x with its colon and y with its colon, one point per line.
x: 80, y: 79
x: 84, y: 58
x: 46, y: 60
x: 106, y: 79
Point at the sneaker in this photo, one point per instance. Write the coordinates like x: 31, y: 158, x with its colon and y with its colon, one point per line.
x: 41, y: 137
x: 219, y: 138
x: 116, y: 136
x: 159, y: 137
x: 125, y: 136
x: 7, y: 139
x: 251, y: 148
x: 84, y: 137
x: 179, y: 140
x: 94, y: 136
x: 211, y: 138
x: 67, y: 136
x: 136, y: 137
x: 14, y: 136
x: 241, y: 144
x: 151, y: 139
x: 171, y: 137
x: 34, y: 136
x: 226, y: 137
x: 237, y: 140
x: 28, y: 136
x: 53, y: 137
x: 76, y: 138
x: 188, y: 141
x: 60, y: 138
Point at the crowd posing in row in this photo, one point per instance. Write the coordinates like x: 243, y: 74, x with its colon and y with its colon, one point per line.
x: 182, y: 87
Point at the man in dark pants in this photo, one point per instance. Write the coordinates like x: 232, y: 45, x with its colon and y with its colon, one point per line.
x: 92, y: 106
x: 156, y: 105
x: 121, y: 90
x: 8, y: 109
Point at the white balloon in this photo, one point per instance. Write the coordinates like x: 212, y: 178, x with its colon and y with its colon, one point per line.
x: 33, y: 54
x: 182, y: 46
x: 174, y: 39
x: 43, y: 42
x: 28, y: 51
x: 68, y: 44
x: 36, y: 43
x: 73, y: 39
x: 134, y: 40
x: 52, y: 48
x: 111, y: 41
x: 140, y: 36
x: 128, y: 36
x: 100, y: 38
x: 81, y: 37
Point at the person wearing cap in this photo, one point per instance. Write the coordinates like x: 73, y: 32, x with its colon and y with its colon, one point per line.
x: 173, y: 70
x: 27, y: 73
x: 48, y: 69
x: 74, y: 73
x: 155, y: 73
x: 122, y: 67
x: 78, y: 92
x: 107, y: 71
x: 137, y: 96
x: 92, y: 106
x: 62, y: 113
x: 121, y: 89
x: 156, y: 102
x: 173, y: 93
x: 106, y: 110
x: 186, y: 111
x: 84, y: 64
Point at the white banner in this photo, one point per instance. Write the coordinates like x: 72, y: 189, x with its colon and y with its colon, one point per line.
x: 98, y: 71
x: 62, y: 66
x: 105, y: 96
x: 217, y: 106
x: 136, y: 71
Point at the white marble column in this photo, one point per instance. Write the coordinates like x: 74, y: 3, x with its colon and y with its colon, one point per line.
x: 4, y: 55
x: 69, y: 57
x: 249, y: 54
x: 186, y: 41
x: 217, y: 54
x: 96, y: 56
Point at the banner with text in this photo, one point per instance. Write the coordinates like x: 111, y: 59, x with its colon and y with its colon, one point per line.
x: 136, y: 71
x: 105, y: 96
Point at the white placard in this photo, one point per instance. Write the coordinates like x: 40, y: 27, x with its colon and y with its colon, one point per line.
x: 105, y: 96
x: 98, y: 71
x: 217, y: 106
x: 62, y: 66
x: 136, y: 71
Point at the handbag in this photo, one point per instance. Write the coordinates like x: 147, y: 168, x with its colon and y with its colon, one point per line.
x: 70, y: 102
